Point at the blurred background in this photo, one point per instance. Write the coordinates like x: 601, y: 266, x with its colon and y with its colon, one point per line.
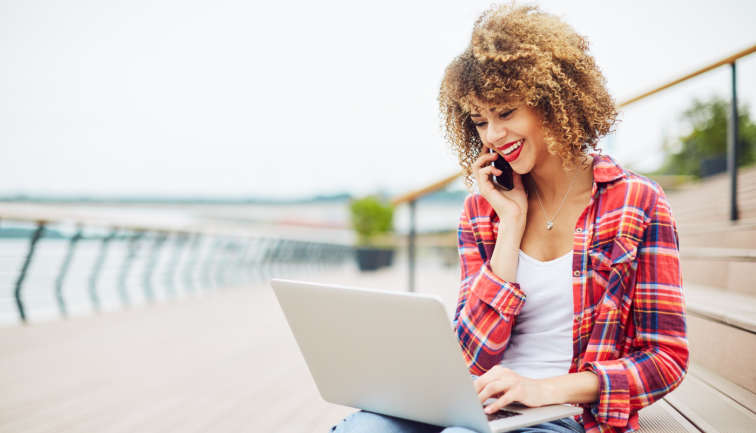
x: 161, y: 160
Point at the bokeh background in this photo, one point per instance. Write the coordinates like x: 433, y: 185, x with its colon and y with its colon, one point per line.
x: 160, y: 161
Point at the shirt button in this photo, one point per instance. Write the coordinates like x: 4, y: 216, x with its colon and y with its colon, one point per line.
x: 576, y: 273
x: 579, y: 230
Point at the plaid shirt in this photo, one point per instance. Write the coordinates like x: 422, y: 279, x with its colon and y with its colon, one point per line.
x: 628, y: 308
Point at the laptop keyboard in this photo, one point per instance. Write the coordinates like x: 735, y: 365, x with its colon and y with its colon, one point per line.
x: 501, y: 414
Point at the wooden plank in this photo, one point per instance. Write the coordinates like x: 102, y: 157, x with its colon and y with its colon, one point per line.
x: 729, y: 308
x: 223, y: 361
x: 660, y: 417
x: 708, y: 409
x: 742, y: 396
x: 727, y: 351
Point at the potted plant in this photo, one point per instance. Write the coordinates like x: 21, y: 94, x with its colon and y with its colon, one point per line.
x: 373, y: 222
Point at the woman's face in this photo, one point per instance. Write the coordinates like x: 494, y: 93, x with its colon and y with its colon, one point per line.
x: 514, y: 132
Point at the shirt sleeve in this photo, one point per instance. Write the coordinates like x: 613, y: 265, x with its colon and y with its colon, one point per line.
x: 658, y: 359
x: 487, y: 305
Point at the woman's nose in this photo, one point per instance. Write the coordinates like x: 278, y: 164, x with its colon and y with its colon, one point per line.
x: 495, y: 133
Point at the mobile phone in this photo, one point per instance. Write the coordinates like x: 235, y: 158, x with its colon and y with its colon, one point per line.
x: 504, y: 180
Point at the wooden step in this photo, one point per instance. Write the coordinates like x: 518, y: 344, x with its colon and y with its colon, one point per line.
x: 661, y: 417
x: 722, y: 234
x: 730, y: 276
x: 720, y: 254
x: 708, y: 200
x: 722, y: 333
x: 741, y: 395
x: 708, y: 408
x: 732, y: 309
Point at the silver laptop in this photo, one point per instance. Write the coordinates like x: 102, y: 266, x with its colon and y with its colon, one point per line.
x: 393, y: 353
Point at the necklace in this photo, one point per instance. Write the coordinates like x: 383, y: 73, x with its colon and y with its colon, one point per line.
x: 550, y: 221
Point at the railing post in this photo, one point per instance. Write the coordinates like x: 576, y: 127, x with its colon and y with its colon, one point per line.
x: 22, y: 275
x: 133, y: 249
x: 191, y: 263
x: 210, y: 260
x: 64, y: 270
x: 732, y: 147
x: 221, y: 267
x: 239, y: 267
x: 411, y: 249
x: 149, y: 270
x: 169, y: 276
x: 95, y: 275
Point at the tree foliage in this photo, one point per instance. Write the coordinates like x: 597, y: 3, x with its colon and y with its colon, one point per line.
x: 707, y: 141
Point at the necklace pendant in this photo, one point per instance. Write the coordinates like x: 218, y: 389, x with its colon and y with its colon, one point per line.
x: 549, y: 225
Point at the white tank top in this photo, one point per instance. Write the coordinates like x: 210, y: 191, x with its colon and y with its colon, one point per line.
x: 541, y: 340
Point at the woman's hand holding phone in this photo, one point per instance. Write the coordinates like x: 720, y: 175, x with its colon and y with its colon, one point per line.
x: 511, y: 206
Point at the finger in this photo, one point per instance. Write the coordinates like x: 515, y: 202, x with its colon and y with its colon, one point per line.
x: 503, y: 401
x: 493, y: 389
x: 486, y: 377
x: 480, y: 383
x: 493, y: 373
x: 488, y: 170
x: 485, y: 158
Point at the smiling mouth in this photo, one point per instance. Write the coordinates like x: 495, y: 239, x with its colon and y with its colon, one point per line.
x: 511, y: 147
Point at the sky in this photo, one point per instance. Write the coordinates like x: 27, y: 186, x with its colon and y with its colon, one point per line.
x: 234, y: 98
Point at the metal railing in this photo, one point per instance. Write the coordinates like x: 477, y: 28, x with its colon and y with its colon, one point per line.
x: 411, y: 198
x: 120, y: 264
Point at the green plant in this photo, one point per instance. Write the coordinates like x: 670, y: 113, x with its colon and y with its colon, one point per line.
x: 371, y: 218
x: 707, y: 121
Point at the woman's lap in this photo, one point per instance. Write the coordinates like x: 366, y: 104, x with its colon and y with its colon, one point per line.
x: 364, y: 422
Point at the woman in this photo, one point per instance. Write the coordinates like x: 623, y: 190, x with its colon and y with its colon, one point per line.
x: 571, y: 289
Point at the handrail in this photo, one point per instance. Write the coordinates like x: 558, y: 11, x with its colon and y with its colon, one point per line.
x: 414, y: 195
x: 42, y: 214
x: 725, y: 61
x: 436, y: 186
x: 214, y: 255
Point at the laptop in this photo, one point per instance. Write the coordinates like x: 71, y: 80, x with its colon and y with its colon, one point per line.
x: 393, y: 353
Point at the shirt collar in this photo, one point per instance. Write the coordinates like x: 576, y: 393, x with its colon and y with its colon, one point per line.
x: 606, y: 169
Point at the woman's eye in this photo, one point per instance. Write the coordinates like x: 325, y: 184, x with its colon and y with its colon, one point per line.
x: 504, y: 115
x: 478, y: 125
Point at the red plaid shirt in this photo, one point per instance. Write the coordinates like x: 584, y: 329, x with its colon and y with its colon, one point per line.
x: 629, y: 318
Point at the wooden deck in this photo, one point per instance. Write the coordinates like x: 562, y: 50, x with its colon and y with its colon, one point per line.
x: 222, y: 362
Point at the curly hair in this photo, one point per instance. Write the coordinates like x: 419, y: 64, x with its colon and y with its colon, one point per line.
x: 519, y: 54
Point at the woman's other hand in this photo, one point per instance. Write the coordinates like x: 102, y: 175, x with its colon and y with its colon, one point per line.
x: 507, y: 387
x: 511, y: 206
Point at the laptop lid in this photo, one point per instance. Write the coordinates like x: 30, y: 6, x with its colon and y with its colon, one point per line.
x: 388, y: 352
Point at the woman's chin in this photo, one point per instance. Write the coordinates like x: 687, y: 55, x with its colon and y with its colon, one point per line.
x: 520, y: 167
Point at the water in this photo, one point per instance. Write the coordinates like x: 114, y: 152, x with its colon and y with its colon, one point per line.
x: 38, y: 291
x: 178, y: 270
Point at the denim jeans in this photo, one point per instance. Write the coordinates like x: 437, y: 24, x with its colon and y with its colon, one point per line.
x: 369, y: 422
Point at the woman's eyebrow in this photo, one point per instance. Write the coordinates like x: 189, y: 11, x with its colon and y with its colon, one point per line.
x: 475, y: 115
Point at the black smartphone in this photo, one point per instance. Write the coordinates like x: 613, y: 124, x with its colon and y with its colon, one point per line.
x: 504, y: 180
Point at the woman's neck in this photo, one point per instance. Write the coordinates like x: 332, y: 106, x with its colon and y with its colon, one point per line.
x: 553, y: 180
